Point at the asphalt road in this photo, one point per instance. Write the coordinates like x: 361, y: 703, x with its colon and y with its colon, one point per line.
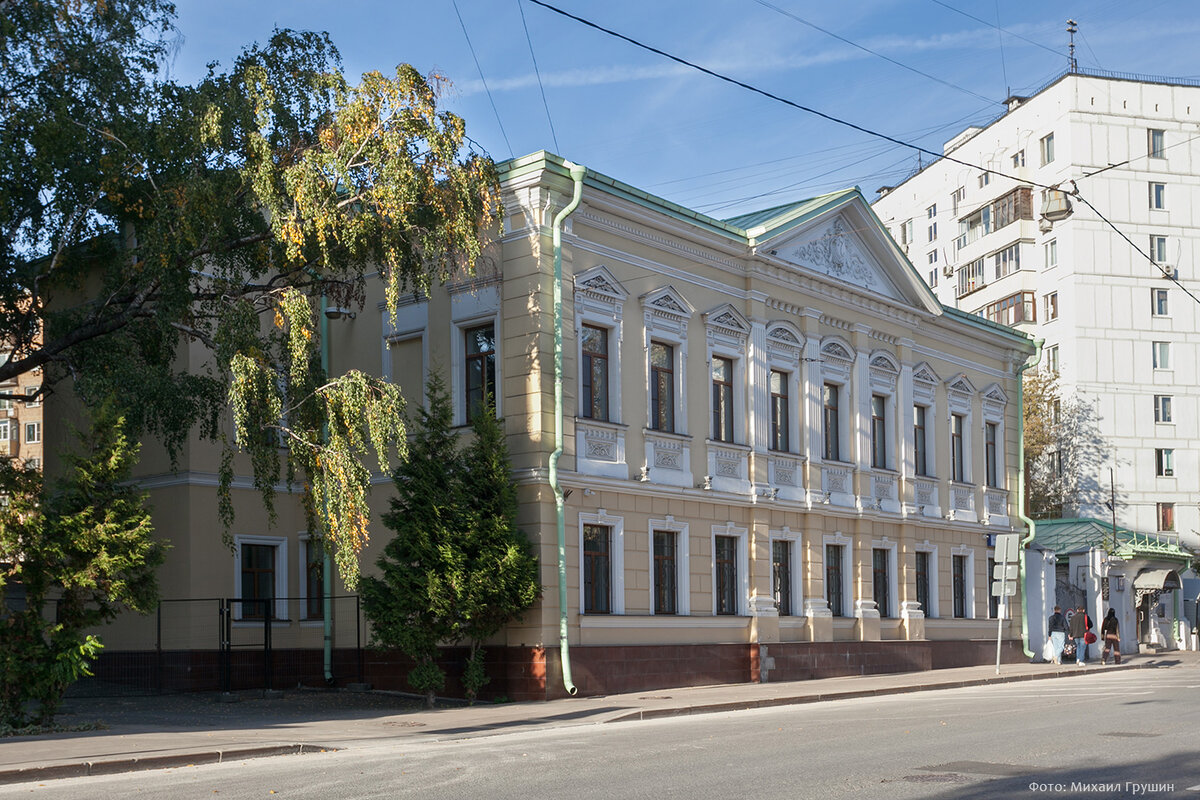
x: 1129, y: 734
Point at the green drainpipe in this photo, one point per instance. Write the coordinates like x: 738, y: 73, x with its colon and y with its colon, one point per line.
x: 1029, y: 523
x: 577, y: 173
x: 327, y: 564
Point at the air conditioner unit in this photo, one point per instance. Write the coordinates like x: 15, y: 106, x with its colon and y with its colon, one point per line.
x: 948, y: 271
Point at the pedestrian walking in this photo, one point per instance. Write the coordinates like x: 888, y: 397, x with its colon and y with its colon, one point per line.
x: 1078, y: 630
x: 1057, y: 629
x: 1110, y: 632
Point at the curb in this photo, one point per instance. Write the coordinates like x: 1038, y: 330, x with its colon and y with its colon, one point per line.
x: 850, y: 694
x: 114, y: 766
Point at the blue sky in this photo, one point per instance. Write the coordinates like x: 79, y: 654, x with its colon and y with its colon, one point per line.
x: 698, y: 141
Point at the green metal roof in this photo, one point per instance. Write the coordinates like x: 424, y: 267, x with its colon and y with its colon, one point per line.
x: 1073, y: 535
x: 789, y: 213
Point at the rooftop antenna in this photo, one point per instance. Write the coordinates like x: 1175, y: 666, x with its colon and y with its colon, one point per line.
x: 1072, y: 28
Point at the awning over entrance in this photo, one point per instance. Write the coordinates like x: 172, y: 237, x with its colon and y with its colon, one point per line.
x: 1157, y: 579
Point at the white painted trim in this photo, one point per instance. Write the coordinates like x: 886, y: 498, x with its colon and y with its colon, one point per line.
x: 683, y: 585
x: 969, y: 588
x: 934, y: 578
x: 742, y: 565
x: 616, y: 560
x: 280, y: 544
x: 796, y: 567
x: 847, y: 544
x: 893, y: 576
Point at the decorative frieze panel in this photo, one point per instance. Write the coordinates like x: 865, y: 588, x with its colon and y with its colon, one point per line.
x: 668, y: 459
x: 962, y: 503
x: 996, y: 507
x: 925, y: 497
x: 884, y: 491
x: 600, y: 449
x: 838, y: 485
x: 728, y: 468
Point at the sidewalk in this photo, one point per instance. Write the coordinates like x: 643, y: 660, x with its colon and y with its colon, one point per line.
x: 182, y: 730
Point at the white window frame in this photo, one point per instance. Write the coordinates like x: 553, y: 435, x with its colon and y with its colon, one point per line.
x: 959, y: 394
x: 5, y: 430
x: 616, y: 558
x: 850, y: 605
x: 969, y: 580
x: 37, y: 429
x: 1050, y: 253
x: 280, y: 543
x: 1165, y: 294
x: 934, y: 578
x: 666, y: 316
x: 1161, y: 356
x: 796, y: 539
x: 1151, y: 150
x: 837, y: 368
x: 924, y: 389
x: 893, y: 584
x: 1164, y: 414
x: 473, y: 306
x: 1049, y: 306
x: 743, y: 566
x: 1164, y: 462
x: 994, y: 403
x: 683, y: 600
x: 306, y: 541
x: 1158, y: 196
x: 1046, y: 148
x: 884, y: 374
x: 727, y: 335
x: 1158, y: 249
x: 32, y: 390
x: 600, y: 303
x: 1052, y: 358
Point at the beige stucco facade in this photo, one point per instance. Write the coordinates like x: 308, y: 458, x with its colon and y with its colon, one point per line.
x: 816, y: 294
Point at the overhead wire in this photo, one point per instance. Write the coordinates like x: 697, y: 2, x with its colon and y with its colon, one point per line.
x: 542, y: 88
x: 840, y: 38
x: 854, y: 126
x: 997, y: 27
x: 491, y: 99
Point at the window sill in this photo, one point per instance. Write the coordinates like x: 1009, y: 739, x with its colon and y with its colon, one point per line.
x: 669, y: 435
x: 601, y: 423
x: 731, y: 445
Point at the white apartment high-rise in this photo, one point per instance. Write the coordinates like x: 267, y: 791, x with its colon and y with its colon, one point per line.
x: 1122, y: 335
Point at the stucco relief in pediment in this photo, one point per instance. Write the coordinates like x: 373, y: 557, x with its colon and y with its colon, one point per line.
x: 835, y: 250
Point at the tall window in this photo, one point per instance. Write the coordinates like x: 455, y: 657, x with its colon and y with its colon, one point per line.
x: 1050, y: 306
x: 725, y: 579
x: 662, y: 387
x: 1164, y: 462
x: 1018, y: 159
x: 314, y: 579
x: 1156, y: 143
x: 882, y: 581
x: 1162, y: 355
x: 1047, y: 148
x: 32, y: 393
x: 33, y: 432
x: 958, y: 467
x: 1158, y: 196
x: 665, y: 590
x: 1158, y: 302
x: 993, y: 477
x: 597, y: 569
x: 829, y: 423
x: 779, y: 411
x: 722, y: 399
x: 960, y: 586
x: 1007, y: 261
x: 781, y: 576
x: 258, y: 580
x: 920, y: 442
x: 594, y: 401
x: 1050, y: 249
x: 1052, y: 358
x: 1162, y: 408
x: 481, y: 367
x: 922, y: 581
x: 1166, y: 516
x: 833, y: 579
x: 878, y: 432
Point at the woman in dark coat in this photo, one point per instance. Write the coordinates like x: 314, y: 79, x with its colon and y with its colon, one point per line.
x: 1110, y: 633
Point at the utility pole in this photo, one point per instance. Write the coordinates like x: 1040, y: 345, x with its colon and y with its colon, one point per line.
x: 1112, y: 488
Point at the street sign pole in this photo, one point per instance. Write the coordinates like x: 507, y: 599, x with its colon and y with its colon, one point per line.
x: 1004, y: 581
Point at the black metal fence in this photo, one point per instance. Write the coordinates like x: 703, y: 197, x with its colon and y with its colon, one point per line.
x: 227, y: 644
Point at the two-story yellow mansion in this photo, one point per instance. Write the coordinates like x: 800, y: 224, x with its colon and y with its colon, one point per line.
x: 783, y: 457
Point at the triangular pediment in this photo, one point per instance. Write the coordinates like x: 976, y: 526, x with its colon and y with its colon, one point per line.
x: 600, y: 281
x: 994, y: 393
x: 924, y: 373
x: 961, y: 384
x: 727, y: 317
x: 842, y: 240
x: 667, y: 301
